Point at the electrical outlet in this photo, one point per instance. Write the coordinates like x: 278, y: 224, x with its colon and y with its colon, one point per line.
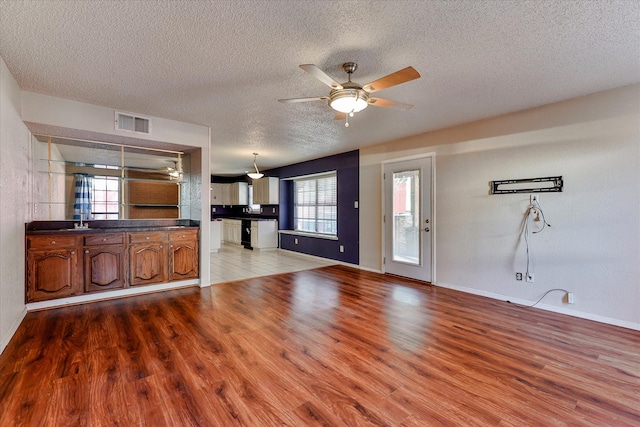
x: 341, y: 248
x: 518, y: 276
x: 213, y: 210
x: 295, y: 241
x: 571, y: 298
x: 530, y: 277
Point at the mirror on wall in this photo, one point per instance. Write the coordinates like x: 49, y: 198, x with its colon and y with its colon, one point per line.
x: 101, y: 181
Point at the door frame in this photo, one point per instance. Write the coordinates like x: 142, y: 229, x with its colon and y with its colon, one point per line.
x: 432, y: 156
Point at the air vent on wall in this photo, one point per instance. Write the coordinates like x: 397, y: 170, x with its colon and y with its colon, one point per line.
x: 133, y: 123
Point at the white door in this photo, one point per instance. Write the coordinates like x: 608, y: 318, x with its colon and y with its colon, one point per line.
x: 407, y: 218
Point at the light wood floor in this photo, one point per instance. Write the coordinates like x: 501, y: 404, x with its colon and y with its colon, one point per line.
x: 333, y: 346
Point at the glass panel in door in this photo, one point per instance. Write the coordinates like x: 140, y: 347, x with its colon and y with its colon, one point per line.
x: 406, y: 217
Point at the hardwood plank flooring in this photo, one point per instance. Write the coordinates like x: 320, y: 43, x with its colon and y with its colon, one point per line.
x: 334, y: 346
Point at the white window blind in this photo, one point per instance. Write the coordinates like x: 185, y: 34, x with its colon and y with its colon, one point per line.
x: 316, y: 204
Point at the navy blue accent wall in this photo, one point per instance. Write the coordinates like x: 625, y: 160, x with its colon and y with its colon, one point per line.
x: 286, y: 205
x: 348, y: 175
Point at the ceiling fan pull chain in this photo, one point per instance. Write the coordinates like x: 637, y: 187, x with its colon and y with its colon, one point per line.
x: 353, y: 112
x: 346, y: 120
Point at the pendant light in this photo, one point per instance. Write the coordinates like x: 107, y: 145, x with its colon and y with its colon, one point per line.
x: 256, y: 174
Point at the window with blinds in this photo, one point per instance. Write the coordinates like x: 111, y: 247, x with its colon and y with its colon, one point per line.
x: 316, y: 204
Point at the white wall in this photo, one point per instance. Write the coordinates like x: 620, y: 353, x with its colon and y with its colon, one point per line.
x: 15, y: 197
x: 70, y: 114
x: 593, y: 246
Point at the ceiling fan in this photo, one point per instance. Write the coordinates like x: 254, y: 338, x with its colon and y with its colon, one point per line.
x: 350, y: 97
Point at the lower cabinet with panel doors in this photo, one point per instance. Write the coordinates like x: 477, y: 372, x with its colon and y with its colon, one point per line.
x: 104, y: 262
x: 183, y: 254
x: 75, y: 263
x: 264, y: 235
x: 52, y: 267
x: 148, y: 257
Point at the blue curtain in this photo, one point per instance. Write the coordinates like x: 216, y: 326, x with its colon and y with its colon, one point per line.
x: 82, y: 205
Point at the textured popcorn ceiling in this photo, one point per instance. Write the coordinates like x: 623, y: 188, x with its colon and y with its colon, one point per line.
x: 225, y: 64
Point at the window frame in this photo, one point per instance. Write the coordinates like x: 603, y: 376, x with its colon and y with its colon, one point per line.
x: 316, y: 205
x: 105, y: 215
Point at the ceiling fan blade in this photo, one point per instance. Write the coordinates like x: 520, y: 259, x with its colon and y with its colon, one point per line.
x: 321, y: 75
x: 393, y: 79
x: 340, y: 116
x: 387, y: 103
x: 291, y: 100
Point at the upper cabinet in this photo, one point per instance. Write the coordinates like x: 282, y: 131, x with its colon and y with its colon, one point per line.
x: 218, y: 196
x: 239, y: 193
x: 230, y: 194
x: 266, y: 191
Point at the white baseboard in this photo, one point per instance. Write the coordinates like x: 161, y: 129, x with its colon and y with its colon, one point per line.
x: 553, y: 308
x: 372, y: 270
x: 12, y: 330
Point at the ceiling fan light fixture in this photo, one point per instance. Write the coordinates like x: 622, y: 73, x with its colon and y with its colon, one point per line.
x: 348, y: 100
x: 257, y: 174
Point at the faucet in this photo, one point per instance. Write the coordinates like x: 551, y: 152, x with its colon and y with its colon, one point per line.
x: 81, y: 226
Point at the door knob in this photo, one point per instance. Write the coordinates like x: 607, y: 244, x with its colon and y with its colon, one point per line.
x: 426, y: 229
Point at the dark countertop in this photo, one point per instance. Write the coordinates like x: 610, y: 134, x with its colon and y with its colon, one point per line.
x: 250, y: 218
x: 108, y: 226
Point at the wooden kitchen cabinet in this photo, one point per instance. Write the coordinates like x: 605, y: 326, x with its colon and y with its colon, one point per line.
x: 264, y: 235
x: 78, y: 262
x: 239, y: 194
x: 183, y: 254
x: 232, y: 231
x: 266, y: 191
x: 52, y: 268
x: 148, y: 258
x: 235, y: 194
x: 219, y: 194
x: 104, y: 262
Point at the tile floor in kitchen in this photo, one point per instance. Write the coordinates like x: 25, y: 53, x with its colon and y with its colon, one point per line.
x: 233, y: 262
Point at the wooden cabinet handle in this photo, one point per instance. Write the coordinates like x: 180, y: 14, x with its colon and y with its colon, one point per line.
x: 104, y: 240
x: 160, y: 246
x: 86, y: 251
x: 53, y: 242
x: 73, y: 252
x: 147, y: 237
